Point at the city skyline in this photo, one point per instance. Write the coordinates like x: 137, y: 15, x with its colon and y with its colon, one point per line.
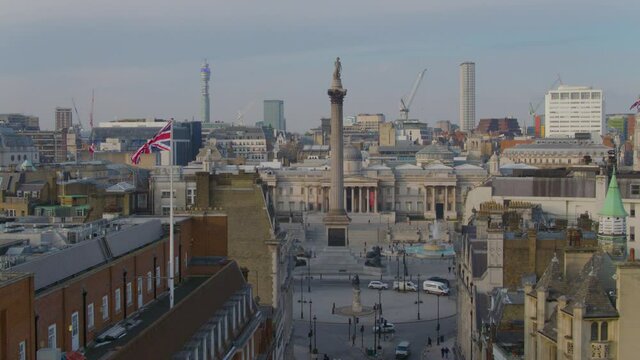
x: 147, y: 64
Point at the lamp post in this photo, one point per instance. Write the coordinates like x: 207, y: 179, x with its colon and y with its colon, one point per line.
x: 315, y: 333
x: 310, y: 324
x: 438, y: 322
x: 309, y: 273
x: 301, y: 301
x: 418, y: 302
x: 349, y: 337
x: 380, y: 300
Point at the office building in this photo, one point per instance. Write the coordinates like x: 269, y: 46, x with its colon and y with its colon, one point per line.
x: 370, y: 122
x: 621, y: 124
x: 504, y: 126
x: 573, y: 109
x: 467, y: 96
x: 274, y: 114
x: 64, y: 118
x: 20, y: 122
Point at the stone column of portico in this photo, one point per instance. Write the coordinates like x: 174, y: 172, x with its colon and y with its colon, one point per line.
x: 337, y: 221
x: 446, y: 200
x: 368, y: 197
x: 433, y: 200
x: 375, y: 200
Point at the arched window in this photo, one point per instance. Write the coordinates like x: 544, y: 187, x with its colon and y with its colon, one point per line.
x: 594, y: 331
x: 604, y: 331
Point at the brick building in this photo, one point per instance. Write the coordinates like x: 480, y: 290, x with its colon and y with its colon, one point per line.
x: 98, y: 281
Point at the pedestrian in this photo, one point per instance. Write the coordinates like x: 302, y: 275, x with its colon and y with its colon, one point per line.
x: 446, y: 352
x: 449, y: 269
x: 326, y: 357
x: 442, y: 352
x: 429, y: 341
x: 333, y: 308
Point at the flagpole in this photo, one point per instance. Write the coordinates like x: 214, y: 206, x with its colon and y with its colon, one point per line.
x: 171, y: 255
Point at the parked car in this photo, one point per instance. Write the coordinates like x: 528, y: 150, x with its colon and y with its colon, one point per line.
x: 404, y: 286
x: 440, y: 280
x: 403, y: 350
x: 375, y: 284
x: 386, y: 328
x: 434, y: 287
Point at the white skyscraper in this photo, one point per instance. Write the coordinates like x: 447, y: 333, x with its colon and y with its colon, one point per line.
x: 573, y: 109
x: 467, y: 96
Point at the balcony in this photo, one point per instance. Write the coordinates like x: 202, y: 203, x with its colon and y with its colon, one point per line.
x: 600, y: 349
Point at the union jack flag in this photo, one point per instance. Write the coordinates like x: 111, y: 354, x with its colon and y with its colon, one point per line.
x: 636, y: 105
x: 161, y: 141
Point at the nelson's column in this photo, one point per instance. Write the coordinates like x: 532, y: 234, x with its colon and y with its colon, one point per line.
x: 337, y: 221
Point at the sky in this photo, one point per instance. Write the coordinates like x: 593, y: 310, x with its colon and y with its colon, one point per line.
x: 143, y: 57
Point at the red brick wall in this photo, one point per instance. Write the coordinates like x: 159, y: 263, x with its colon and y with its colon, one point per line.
x: 16, y: 318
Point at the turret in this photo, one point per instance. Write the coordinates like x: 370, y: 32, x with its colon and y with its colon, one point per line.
x: 612, y: 231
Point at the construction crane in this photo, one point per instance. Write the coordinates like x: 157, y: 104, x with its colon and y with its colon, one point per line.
x: 405, y: 102
x: 76, y: 110
x: 241, y: 113
x: 533, y: 110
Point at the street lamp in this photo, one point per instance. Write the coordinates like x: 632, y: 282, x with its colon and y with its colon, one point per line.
x: 438, y: 322
x: 310, y: 325
x: 418, y: 302
x: 301, y: 301
x: 309, y: 273
x: 380, y: 300
x: 315, y: 333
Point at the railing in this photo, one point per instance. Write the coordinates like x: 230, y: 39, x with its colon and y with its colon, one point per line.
x: 600, y: 350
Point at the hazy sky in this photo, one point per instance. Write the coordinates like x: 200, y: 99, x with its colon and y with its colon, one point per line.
x: 142, y: 57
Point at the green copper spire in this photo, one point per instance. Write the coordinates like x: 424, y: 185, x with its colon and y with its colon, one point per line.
x: 613, y: 202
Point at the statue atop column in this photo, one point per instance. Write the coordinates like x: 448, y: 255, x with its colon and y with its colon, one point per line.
x: 337, y: 76
x: 337, y: 70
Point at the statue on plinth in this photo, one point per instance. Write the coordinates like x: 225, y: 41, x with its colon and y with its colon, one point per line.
x: 356, y: 303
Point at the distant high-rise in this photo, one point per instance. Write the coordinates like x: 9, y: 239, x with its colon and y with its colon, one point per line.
x: 205, y: 75
x: 63, y: 118
x: 274, y: 114
x: 573, y: 109
x: 467, y: 96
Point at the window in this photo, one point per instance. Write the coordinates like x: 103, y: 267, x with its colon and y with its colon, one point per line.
x: 176, y: 264
x: 90, y: 321
x: 166, y: 210
x: 408, y: 190
x: 22, y: 350
x: 604, y: 331
x: 157, y: 275
x: 105, y: 307
x: 191, y: 196
x: 632, y: 210
x: 301, y: 191
x: 632, y: 233
x: 635, y: 189
x: 408, y: 204
x: 129, y: 294
x: 165, y: 194
x: 11, y: 212
x: 117, y: 300
x: 594, y: 331
x: 52, y: 341
x: 397, y: 205
x: 149, y: 281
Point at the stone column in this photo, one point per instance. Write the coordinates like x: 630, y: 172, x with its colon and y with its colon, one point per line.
x: 345, y: 198
x: 433, y: 199
x: 446, y: 200
x: 375, y: 199
x: 336, y: 201
x: 368, y: 199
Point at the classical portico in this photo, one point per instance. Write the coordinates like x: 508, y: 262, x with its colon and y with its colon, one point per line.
x: 440, y: 201
x: 361, y: 198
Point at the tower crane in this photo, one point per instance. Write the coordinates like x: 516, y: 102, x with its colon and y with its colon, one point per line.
x: 533, y: 110
x: 405, y: 102
x: 75, y: 108
x: 241, y: 113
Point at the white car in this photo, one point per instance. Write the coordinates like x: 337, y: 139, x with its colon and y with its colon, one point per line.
x: 378, y: 285
x: 386, y: 328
